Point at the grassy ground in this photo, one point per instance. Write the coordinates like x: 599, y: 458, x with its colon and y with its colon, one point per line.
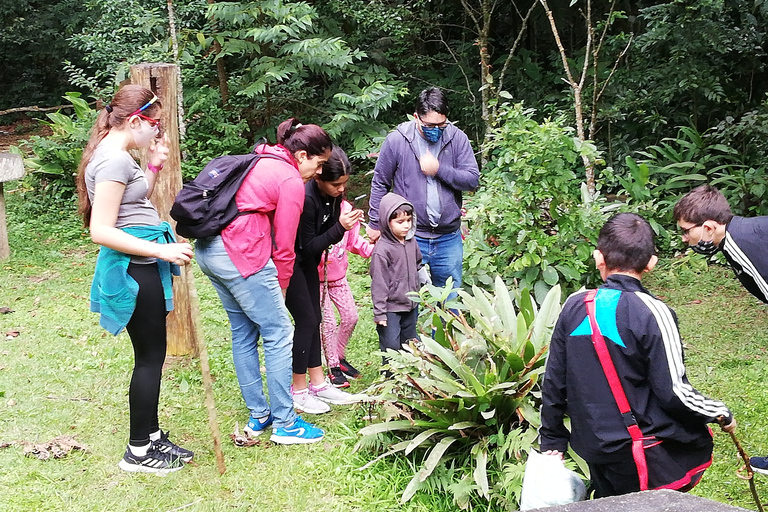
x: 63, y: 375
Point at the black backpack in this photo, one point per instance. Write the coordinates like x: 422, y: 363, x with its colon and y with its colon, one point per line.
x: 206, y: 205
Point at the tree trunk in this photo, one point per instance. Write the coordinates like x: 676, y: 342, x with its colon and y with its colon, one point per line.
x: 221, y: 70
x: 183, y: 332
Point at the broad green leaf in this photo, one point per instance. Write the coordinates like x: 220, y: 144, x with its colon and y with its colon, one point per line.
x: 545, y: 320
x: 398, y: 447
x: 462, y: 425
x: 416, y: 441
x: 480, y: 473
x: 388, y: 426
x: 434, y: 457
x: 505, y: 306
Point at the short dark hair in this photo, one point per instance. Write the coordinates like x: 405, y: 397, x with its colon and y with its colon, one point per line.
x: 626, y: 242
x: 432, y: 99
x: 701, y: 204
x: 404, y: 208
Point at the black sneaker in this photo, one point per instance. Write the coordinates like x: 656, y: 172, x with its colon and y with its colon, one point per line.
x: 349, y: 370
x: 154, y: 461
x: 337, y: 378
x: 165, y: 445
x: 759, y: 464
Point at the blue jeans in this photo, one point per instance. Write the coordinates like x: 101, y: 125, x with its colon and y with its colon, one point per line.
x: 255, y: 308
x: 443, y: 255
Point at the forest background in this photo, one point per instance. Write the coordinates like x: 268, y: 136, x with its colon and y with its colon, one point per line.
x: 576, y: 108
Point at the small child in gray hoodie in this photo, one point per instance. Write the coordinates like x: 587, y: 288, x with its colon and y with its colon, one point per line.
x: 395, y: 263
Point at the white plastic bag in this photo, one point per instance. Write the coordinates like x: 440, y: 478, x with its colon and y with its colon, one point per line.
x: 547, y: 482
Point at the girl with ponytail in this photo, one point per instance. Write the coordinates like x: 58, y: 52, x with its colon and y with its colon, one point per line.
x: 132, y: 283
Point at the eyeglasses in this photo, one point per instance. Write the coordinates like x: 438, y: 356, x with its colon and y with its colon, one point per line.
x: 145, y: 106
x: 434, y: 125
x: 685, y: 231
x: 154, y: 123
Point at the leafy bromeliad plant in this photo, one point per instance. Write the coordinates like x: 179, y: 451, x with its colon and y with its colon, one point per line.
x: 463, y: 401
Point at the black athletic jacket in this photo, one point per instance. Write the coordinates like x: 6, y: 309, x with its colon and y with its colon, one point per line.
x: 746, y: 248
x: 319, y: 227
x: 642, y: 337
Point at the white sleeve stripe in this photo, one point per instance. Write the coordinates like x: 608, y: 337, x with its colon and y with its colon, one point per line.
x: 735, y: 252
x: 674, y: 350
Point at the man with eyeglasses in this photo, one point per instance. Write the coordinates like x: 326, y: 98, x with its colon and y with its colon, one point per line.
x: 707, y: 225
x: 430, y: 162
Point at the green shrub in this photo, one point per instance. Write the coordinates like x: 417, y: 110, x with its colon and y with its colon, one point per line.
x: 461, y: 402
x: 530, y: 220
x: 54, y: 159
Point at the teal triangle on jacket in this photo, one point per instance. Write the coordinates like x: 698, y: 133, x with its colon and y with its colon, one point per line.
x: 606, y: 302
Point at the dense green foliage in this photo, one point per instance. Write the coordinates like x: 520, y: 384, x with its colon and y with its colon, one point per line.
x: 465, y: 394
x: 530, y: 220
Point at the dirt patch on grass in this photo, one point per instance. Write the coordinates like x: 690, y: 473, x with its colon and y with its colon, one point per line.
x: 12, y: 133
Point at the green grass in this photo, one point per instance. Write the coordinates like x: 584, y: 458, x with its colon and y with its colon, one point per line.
x: 64, y: 375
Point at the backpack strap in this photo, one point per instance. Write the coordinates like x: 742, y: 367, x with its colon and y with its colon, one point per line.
x: 638, y: 452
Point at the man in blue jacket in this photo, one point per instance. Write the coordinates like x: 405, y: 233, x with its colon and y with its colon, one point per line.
x: 429, y: 162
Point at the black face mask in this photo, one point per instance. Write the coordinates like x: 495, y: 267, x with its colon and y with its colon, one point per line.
x: 707, y: 248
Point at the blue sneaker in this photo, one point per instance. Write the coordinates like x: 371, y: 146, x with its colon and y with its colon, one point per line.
x: 300, y: 432
x: 256, y: 427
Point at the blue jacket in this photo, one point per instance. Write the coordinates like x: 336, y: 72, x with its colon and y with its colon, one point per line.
x: 113, y: 291
x: 398, y: 170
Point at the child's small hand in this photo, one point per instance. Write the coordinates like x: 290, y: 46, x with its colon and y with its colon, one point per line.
x: 382, y: 323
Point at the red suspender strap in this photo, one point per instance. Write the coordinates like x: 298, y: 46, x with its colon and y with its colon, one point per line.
x: 638, y: 453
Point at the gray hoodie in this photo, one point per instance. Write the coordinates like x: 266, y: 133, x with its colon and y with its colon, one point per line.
x: 394, y: 264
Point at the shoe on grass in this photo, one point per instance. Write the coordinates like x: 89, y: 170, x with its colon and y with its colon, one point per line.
x: 759, y: 464
x: 165, y: 445
x: 305, y: 401
x: 256, y: 427
x: 349, y: 370
x: 155, y: 461
x: 337, y: 378
x: 332, y: 395
x: 300, y: 432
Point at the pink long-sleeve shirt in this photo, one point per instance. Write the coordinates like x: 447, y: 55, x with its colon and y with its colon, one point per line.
x: 275, y: 190
x: 337, y: 253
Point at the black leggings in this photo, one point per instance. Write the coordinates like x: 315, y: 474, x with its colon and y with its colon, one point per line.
x: 148, y: 336
x: 303, y: 301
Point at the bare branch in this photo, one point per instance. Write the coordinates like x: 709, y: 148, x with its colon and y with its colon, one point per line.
x: 517, y: 42
x: 616, y: 65
x: 461, y: 68
x: 37, y: 109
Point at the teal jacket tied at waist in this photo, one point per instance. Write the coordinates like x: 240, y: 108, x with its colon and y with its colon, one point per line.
x: 113, y: 291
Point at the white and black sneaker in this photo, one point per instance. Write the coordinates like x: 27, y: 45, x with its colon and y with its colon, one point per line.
x: 154, y: 461
x: 165, y: 445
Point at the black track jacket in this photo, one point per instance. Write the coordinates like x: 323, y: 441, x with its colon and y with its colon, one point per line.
x: 642, y: 337
x: 744, y: 246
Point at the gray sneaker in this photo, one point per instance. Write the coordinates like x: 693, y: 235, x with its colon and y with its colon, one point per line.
x: 333, y: 395
x: 306, y: 402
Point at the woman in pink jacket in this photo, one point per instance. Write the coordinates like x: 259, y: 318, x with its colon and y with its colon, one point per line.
x: 250, y: 264
x: 335, y: 290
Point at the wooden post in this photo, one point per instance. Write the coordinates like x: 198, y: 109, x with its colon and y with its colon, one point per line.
x: 184, y: 331
x: 11, y: 168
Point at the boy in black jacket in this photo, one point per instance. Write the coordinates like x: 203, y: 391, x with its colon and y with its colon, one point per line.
x: 707, y: 224
x: 395, y: 263
x: 643, y: 341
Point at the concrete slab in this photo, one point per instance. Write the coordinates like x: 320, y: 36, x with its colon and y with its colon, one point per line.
x: 11, y: 167
x: 647, y: 501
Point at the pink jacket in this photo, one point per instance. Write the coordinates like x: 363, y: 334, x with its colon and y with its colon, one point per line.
x: 337, y: 253
x: 275, y: 190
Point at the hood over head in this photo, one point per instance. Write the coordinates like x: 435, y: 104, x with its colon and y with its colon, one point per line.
x: 389, y: 203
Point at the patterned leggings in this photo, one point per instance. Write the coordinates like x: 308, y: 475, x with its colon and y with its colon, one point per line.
x: 336, y: 337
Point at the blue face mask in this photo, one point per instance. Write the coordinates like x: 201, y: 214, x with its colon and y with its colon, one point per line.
x: 432, y: 134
